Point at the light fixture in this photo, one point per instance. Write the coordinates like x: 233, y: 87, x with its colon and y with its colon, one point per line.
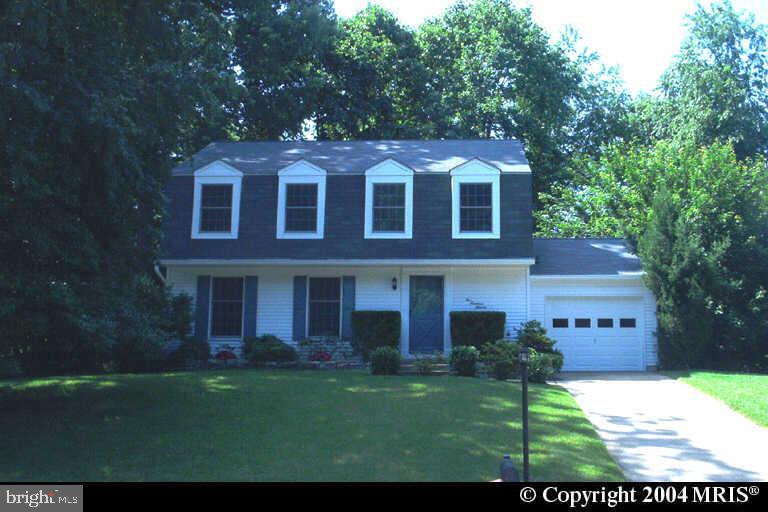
x: 394, y: 283
x: 524, y: 355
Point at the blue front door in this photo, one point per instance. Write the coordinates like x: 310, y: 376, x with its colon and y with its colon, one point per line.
x: 425, y: 326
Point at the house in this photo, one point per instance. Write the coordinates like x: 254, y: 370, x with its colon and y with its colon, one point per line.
x: 288, y: 238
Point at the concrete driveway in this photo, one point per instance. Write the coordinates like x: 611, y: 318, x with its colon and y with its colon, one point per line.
x: 659, y: 429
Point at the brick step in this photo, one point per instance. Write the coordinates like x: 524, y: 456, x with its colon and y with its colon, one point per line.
x: 410, y: 368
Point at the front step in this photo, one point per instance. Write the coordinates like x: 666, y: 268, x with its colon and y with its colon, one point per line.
x: 410, y: 368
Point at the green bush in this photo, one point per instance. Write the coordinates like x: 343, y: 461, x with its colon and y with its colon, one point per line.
x: 181, y: 315
x: 464, y: 360
x: 505, y: 369
x: 502, y: 357
x: 544, y: 365
x: 532, y: 334
x: 385, y: 361
x: 425, y: 366
x: 134, y: 355
x: 476, y: 328
x: 374, y: 329
x: 268, y: 348
x: 194, y: 351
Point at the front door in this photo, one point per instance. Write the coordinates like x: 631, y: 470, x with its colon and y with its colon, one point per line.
x: 425, y: 326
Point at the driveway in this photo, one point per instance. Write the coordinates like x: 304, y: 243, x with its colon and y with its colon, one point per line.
x: 659, y: 429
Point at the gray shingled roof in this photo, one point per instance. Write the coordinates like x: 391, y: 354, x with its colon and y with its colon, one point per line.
x: 354, y: 157
x: 583, y: 256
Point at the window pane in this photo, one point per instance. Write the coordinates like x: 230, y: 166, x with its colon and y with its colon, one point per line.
x: 389, y: 207
x: 301, y: 207
x: 582, y: 322
x: 324, y: 306
x: 227, y: 306
x: 216, y: 208
x: 627, y: 322
x: 560, y: 323
x: 605, y: 322
x: 476, y: 207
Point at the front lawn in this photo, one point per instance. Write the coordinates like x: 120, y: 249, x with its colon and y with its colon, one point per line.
x: 744, y: 392
x: 288, y: 426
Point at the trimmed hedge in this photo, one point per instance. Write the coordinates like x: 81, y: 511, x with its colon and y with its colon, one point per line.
x: 476, y: 328
x: 268, y: 348
x: 385, y: 361
x: 374, y: 329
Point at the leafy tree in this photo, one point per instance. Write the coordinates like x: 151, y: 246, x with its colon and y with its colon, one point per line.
x: 377, y: 82
x: 279, y: 48
x: 97, y: 97
x: 716, y: 87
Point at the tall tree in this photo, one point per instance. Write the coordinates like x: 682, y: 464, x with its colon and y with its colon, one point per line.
x: 377, y: 82
x: 96, y: 98
x: 717, y: 86
x: 279, y: 48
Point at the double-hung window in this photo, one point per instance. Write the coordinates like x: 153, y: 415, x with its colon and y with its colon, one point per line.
x: 388, y: 201
x: 301, y: 201
x: 226, y: 307
x: 216, y: 201
x: 476, y: 198
x: 324, y: 317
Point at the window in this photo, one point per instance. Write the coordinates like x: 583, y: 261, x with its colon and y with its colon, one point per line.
x: 605, y: 322
x: 389, y: 207
x: 582, y: 323
x: 301, y: 207
x: 627, y: 323
x: 301, y: 201
x: 216, y: 201
x: 388, y: 201
x: 216, y: 209
x: 227, y: 306
x: 560, y: 323
x: 476, y: 200
x: 324, y: 306
x: 476, y: 207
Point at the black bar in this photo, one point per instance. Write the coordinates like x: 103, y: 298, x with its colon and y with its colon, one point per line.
x: 526, y: 475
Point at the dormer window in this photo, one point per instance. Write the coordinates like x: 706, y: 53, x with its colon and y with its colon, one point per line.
x: 301, y: 201
x: 475, y: 192
x: 216, y: 201
x: 389, y: 201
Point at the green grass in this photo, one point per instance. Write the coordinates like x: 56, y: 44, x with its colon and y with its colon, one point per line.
x: 287, y: 426
x: 743, y: 392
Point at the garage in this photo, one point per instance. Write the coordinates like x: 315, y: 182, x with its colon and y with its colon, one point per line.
x: 597, y: 334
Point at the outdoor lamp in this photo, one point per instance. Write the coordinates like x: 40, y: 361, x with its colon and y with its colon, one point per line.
x: 524, y: 355
x: 394, y: 283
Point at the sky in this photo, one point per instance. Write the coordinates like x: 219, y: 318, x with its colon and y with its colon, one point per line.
x: 638, y: 36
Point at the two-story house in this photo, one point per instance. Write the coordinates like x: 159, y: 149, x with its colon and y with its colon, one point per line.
x: 288, y: 238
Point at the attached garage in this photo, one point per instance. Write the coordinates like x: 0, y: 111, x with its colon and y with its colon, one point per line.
x: 590, y: 296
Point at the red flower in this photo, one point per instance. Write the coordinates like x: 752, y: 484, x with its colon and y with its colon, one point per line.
x: 224, y: 355
x: 320, y: 356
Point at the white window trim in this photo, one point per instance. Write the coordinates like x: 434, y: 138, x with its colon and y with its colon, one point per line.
x: 476, y: 171
x: 217, y: 173
x: 211, y: 336
x: 389, y: 171
x: 301, y: 173
x: 341, y: 307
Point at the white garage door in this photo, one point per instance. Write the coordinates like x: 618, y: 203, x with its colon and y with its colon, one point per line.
x: 597, y: 334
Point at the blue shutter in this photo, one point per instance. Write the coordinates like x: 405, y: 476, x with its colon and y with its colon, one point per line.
x: 347, y: 306
x: 202, y: 303
x: 250, y: 306
x: 299, y: 308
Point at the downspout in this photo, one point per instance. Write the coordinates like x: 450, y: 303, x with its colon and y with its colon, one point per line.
x: 159, y: 274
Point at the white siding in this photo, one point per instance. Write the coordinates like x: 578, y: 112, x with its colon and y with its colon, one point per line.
x: 580, y: 287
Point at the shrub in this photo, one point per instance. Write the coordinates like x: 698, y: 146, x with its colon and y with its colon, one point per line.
x: 533, y: 335
x: 385, y: 361
x: 139, y: 354
x: 192, y: 351
x: 505, y: 369
x: 374, y: 329
x: 544, y: 365
x: 268, y: 348
x: 181, y: 315
x: 476, y: 328
x: 502, y: 357
x: 464, y: 360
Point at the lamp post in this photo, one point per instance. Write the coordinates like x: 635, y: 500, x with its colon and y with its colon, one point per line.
x: 524, y: 374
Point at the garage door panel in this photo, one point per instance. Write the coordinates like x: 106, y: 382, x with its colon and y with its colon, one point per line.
x: 596, y: 348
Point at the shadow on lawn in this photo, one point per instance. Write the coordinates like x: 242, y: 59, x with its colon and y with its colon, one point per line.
x: 285, y: 425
